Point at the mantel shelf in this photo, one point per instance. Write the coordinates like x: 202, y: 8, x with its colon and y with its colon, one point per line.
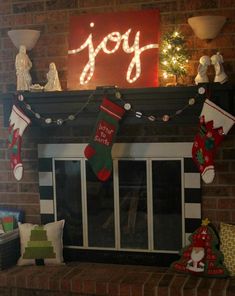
x: 151, y: 101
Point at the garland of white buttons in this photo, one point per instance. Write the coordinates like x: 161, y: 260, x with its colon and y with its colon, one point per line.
x: 118, y: 95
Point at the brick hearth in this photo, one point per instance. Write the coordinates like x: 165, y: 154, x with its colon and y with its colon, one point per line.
x: 104, y: 279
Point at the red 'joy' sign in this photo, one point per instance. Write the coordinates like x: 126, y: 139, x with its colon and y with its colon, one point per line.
x: 114, y: 49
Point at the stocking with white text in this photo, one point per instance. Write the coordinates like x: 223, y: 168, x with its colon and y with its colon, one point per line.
x: 98, y: 152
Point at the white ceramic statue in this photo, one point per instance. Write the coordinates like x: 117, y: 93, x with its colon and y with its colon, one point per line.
x: 23, y: 66
x: 220, y: 76
x: 53, y: 82
x: 202, y: 77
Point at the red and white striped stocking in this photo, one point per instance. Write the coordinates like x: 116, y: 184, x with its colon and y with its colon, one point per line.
x: 18, y: 122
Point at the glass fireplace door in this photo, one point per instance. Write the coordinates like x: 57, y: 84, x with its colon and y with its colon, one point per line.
x: 69, y: 199
x: 132, y: 176
x: 100, y: 211
x: 139, y: 208
x: 147, y: 209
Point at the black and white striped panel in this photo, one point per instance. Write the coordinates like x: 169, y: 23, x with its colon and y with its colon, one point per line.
x: 192, y: 197
x: 46, y: 190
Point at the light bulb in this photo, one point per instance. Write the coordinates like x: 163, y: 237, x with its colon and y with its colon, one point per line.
x: 165, y: 75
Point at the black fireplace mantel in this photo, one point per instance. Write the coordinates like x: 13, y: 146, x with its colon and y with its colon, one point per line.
x: 150, y: 101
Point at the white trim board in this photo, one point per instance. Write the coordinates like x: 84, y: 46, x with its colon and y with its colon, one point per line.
x: 163, y: 150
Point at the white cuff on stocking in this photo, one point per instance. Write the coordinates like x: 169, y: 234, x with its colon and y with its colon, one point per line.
x: 220, y: 117
x: 18, y: 171
x: 18, y: 120
x: 208, y: 174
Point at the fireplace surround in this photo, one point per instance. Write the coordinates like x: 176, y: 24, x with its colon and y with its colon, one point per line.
x: 133, y: 131
x: 135, y: 212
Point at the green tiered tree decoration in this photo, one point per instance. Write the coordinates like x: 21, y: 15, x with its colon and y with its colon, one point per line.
x: 173, y: 55
x: 39, y: 247
x: 202, y: 256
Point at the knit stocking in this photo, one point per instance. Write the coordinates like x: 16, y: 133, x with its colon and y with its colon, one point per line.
x: 18, y: 122
x: 98, y: 152
x: 214, y: 124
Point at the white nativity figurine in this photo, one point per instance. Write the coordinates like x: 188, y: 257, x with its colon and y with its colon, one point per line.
x: 23, y: 66
x: 220, y: 76
x: 202, y: 77
x: 53, y: 82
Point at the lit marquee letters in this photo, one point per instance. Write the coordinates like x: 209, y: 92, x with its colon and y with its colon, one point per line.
x: 116, y: 38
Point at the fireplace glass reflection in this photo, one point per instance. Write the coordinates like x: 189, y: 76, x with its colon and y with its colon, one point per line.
x: 167, y: 204
x: 100, y: 210
x: 69, y: 200
x: 133, y: 204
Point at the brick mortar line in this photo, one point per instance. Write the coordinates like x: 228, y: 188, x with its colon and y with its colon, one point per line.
x: 196, y: 288
x: 182, y: 287
x: 198, y: 11
x: 27, y: 194
x: 23, y: 204
x: 15, y: 182
x: 225, y: 288
x: 70, y: 280
x: 156, y: 287
x: 45, y: 10
x: 211, y: 287
x: 143, y: 285
x: 150, y: 274
x: 169, y: 286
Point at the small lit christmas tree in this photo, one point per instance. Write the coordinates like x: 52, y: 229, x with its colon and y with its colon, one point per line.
x: 174, y: 55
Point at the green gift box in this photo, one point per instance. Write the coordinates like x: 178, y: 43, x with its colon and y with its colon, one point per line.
x: 8, y: 223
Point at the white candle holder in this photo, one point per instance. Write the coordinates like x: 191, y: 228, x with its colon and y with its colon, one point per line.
x: 23, y: 40
x: 28, y: 38
x: 207, y: 27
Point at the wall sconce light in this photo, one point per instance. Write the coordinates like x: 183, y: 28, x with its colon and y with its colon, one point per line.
x: 23, y: 40
x: 208, y: 26
x: 28, y: 38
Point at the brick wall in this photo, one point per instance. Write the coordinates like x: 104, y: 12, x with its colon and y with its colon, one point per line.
x: 51, y: 17
x: 89, y: 279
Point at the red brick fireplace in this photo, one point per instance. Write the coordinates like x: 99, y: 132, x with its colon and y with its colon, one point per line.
x: 52, y: 18
x: 217, y: 198
x: 118, y: 280
x: 113, y: 280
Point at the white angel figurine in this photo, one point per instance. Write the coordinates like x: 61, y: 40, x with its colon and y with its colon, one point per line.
x: 53, y: 82
x: 23, y: 66
x: 220, y: 76
x: 202, y: 77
